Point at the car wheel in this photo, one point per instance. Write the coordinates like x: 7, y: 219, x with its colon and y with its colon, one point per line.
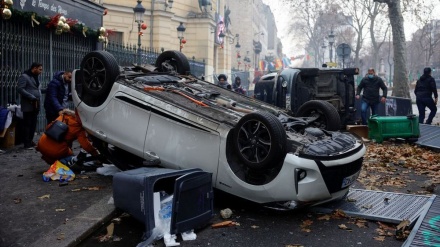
x: 172, y: 61
x: 326, y: 114
x: 99, y: 71
x: 259, y: 140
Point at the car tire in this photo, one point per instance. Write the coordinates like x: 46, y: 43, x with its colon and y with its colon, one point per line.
x: 328, y: 115
x: 173, y: 61
x: 259, y: 140
x: 99, y: 71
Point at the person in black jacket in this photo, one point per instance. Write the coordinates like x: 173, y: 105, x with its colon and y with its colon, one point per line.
x: 425, y: 87
x: 57, y: 94
x: 371, y: 84
x: 28, y: 86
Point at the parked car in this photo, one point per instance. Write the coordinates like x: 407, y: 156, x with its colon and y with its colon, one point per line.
x: 325, y: 94
x: 254, y: 150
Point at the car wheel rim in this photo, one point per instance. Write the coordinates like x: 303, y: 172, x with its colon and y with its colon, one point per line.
x: 254, y: 141
x: 320, y: 118
x: 169, y: 66
x: 94, y: 74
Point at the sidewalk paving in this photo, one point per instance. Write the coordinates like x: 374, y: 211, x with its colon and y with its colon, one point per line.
x: 38, y: 213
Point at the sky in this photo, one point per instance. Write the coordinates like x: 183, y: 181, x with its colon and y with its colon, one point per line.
x: 281, y: 18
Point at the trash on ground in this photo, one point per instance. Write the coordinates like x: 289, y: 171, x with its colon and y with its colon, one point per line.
x: 47, y: 196
x: 58, y: 171
x: 226, y: 213
x: 189, y: 235
x: 226, y: 223
x: 107, y: 170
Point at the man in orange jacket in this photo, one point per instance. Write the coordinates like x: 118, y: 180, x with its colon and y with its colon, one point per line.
x: 52, y: 150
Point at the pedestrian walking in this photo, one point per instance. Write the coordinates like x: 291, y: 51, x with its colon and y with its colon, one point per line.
x: 370, y: 86
x: 223, y: 81
x: 28, y: 86
x: 237, y: 87
x: 52, y: 150
x: 57, y: 94
x: 425, y: 88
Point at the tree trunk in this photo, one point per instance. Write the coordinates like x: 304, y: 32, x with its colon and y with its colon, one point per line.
x: 400, y: 78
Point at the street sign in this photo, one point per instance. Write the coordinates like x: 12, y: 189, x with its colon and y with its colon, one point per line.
x: 343, y: 51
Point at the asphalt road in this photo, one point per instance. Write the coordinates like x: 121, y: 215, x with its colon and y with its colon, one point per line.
x: 258, y: 226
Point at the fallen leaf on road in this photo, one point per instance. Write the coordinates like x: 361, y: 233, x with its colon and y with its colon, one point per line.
x: 325, y: 217
x: 339, y: 214
x: 44, y: 197
x: 403, y: 224
x: 61, y: 236
x: 380, y: 238
x: 344, y: 227
x: 361, y: 223
x: 109, y: 235
x: 94, y: 188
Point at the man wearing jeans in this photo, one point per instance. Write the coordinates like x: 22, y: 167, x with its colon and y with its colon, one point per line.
x: 371, y: 84
x: 28, y: 86
x: 425, y: 89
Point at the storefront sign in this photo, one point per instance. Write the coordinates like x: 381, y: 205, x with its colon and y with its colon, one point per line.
x: 84, y: 11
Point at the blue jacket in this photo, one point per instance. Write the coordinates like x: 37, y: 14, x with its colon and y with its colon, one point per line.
x: 55, y: 92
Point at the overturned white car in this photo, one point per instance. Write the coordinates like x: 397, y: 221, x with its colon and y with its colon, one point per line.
x: 254, y: 150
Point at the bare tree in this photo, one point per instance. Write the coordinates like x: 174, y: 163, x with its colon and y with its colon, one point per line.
x: 400, y: 79
x: 359, y: 21
x: 309, y: 24
x: 378, y: 27
x: 428, y: 39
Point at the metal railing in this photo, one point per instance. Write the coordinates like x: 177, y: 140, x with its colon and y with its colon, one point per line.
x: 21, y: 45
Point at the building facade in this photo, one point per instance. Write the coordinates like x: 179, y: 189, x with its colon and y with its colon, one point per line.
x: 216, y: 31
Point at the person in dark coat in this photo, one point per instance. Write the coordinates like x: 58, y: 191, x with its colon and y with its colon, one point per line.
x: 57, y: 94
x: 425, y: 88
x: 370, y: 85
x: 237, y: 87
x: 28, y: 86
x: 223, y: 81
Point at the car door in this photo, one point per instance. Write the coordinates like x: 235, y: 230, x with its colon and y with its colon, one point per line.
x: 182, y: 139
x: 123, y: 122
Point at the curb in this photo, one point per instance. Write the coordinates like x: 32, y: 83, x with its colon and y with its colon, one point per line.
x: 81, y: 226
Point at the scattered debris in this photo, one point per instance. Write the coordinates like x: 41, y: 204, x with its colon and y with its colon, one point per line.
x: 47, y: 196
x: 402, y: 230
x: 226, y: 213
x: 305, y: 225
x: 17, y: 200
x: 60, y: 210
x: 109, y: 235
x: 61, y: 236
x: 226, y: 223
x: 344, y: 227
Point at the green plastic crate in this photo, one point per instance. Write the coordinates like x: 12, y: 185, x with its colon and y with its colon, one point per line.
x: 381, y: 128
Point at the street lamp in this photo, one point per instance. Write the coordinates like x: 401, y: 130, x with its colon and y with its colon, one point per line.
x: 323, y: 52
x: 180, y: 30
x: 139, y: 11
x: 331, y: 41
